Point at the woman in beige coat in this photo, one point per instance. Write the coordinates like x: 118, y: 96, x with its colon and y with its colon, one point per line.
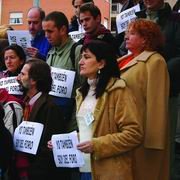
x: 145, y: 73
x: 107, y: 117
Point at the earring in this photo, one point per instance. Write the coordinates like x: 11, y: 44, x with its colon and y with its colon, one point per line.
x: 99, y: 72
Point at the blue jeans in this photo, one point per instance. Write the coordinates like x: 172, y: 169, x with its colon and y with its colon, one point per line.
x: 86, y: 176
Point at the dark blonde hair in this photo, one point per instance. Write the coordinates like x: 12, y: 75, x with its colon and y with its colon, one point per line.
x: 150, y: 31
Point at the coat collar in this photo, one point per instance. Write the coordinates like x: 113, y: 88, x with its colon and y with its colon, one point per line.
x: 113, y: 84
x: 60, y: 49
x: 143, y: 57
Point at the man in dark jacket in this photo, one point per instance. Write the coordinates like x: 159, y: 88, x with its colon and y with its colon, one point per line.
x: 35, y: 79
x: 6, y: 146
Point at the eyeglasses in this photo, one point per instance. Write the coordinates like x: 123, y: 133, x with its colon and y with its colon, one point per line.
x: 33, y: 22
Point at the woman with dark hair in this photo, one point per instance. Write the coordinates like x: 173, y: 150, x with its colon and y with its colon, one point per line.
x: 6, y: 146
x: 14, y: 59
x: 75, y: 25
x: 107, y: 116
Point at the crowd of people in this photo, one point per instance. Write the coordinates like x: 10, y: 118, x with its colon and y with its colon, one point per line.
x: 124, y: 99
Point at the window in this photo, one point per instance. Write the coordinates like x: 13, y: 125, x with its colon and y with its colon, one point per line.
x: 16, y: 18
x: 116, y: 8
x: 106, y: 23
x: 113, y: 24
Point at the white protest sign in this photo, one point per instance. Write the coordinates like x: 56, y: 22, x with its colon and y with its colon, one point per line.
x: 27, y: 137
x: 76, y: 35
x: 125, y: 17
x: 63, y: 81
x: 11, y: 85
x: 20, y: 37
x: 65, y: 150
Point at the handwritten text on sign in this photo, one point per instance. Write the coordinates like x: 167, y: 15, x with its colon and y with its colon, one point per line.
x: 65, y: 151
x: 11, y: 85
x: 27, y: 137
x: 125, y: 17
x: 76, y: 35
x: 63, y: 81
x: 20, y: 37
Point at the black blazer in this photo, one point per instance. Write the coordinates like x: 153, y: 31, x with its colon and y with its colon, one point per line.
x: 42, y: 165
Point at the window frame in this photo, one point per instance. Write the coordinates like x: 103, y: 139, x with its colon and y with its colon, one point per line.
x: 16, y: 18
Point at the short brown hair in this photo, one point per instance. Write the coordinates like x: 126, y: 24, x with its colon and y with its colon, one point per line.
x: 150, y: 31
x: 40, y: 72
x: 84, y: 1
x: 90, y: 7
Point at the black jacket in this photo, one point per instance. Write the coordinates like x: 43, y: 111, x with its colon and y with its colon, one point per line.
x: 74, y: 26
x: 42, y: 165
x: 6, y: 147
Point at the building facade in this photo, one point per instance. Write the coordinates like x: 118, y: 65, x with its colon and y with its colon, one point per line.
x: 14, y: 12
x: 115, y: 10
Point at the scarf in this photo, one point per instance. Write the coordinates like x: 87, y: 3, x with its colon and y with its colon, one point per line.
x: 99, y: 35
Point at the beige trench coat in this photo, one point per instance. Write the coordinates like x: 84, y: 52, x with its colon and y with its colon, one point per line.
x: 147, y: 76
x: 116, y: 132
